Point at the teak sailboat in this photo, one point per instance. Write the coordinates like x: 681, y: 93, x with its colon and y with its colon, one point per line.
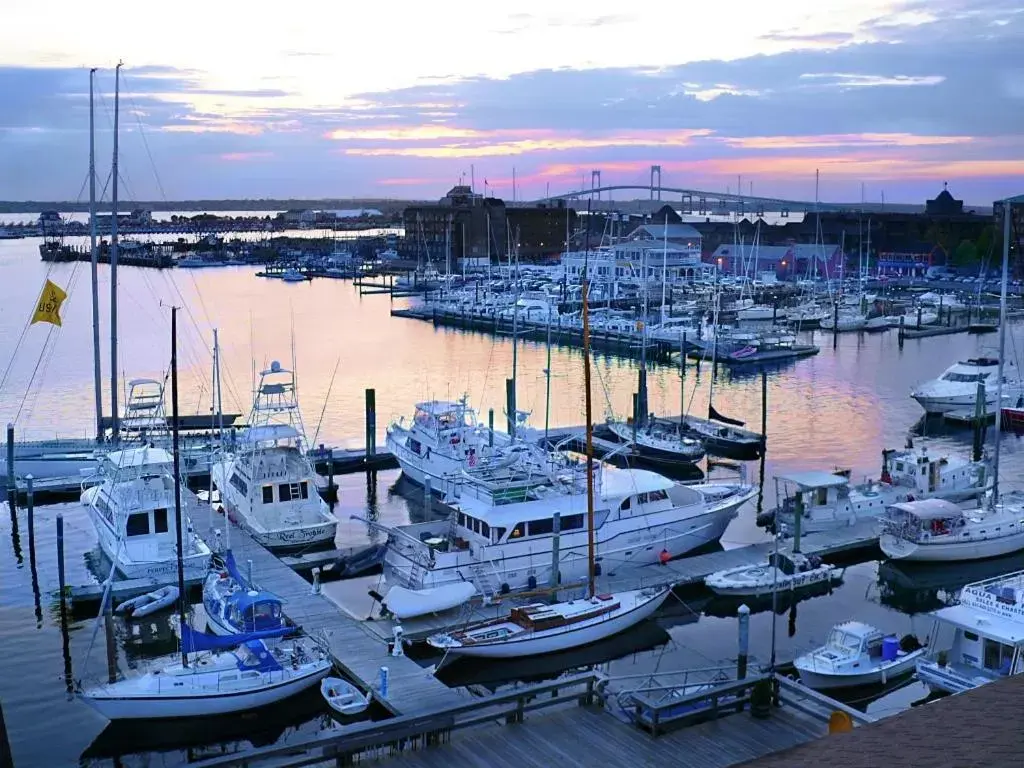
x: 542, y: 628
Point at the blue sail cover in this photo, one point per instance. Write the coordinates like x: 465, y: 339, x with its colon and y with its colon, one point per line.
x: 232, y: 569
x: 192, y: 640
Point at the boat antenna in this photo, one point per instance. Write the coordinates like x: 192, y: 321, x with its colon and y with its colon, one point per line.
x: 590, y: 437
x: 177, y: 477
x: 1002, y: 346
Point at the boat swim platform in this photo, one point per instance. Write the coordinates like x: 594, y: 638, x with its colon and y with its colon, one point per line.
x: 359, y: 654
x: 352, y: 595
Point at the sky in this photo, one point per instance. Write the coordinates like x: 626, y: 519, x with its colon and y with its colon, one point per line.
x: 232, y: 100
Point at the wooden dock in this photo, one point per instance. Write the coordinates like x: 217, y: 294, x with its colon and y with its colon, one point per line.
x: 358, y: 653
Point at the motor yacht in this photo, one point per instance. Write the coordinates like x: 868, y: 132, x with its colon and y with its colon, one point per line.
x: 957, y: 387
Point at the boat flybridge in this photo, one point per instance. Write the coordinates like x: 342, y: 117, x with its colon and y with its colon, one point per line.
x: 978, y: 640
x: 501, y: 536
x: 936, y: 530
x: 826, y: 500
x: 268, y: 485
x: 443, y: 439
x: 131, y: 504
x: 957, y: 387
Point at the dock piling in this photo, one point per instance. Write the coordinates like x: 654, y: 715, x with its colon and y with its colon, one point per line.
x: 902, y: 325
x: 10, y: 458
x: 61, y: 582
x: 331, y: 491
x: 384, y: 682
x: 510, y: 406
x: 556, y: 528
x: 428, y: 499
x: 316, y: 581
x: 835, y: 324
x: 371, y: 423
x: 979, y: 422
x: 30, y: 505
x: 490, y: 427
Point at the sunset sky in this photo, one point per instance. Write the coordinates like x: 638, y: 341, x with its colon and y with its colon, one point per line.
x: 233, y: 100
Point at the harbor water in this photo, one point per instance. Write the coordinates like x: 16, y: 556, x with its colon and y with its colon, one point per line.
x: 837, y: 409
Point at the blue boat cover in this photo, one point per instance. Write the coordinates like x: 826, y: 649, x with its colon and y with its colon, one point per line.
x: 192, y: 640
x: 233, y: 572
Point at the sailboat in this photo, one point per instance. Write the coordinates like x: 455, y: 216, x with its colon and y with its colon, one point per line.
x: 658, y: 441
x: 938, y: 531
x: 250, y: 675
x: 546, y: 628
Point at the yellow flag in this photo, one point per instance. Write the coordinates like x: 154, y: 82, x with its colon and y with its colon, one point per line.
x: 48, y: 309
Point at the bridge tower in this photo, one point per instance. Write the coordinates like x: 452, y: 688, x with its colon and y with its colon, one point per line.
x: 595, y: 184
x: 655, y: 171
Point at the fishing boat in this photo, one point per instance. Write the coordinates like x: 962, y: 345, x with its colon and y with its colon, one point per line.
x: 131, y: 504
x: 546, y: 628
x: 819, y: 501
x: 785, y: 571
x: 234, y: 605
x: 957, y: 387
x: 659, y: 441
x: 978, y: 639
x: 937, y: 530
x: 444, y: 438
x: 858, y: 654
x: 212, y: 682
x: 268, y: 486
x: 343, y: 697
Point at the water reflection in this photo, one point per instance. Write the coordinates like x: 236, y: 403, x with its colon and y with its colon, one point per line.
x: 922, y: 587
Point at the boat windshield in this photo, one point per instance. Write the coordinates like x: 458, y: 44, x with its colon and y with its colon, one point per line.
x: 964, y: 377
x: 840, y: 639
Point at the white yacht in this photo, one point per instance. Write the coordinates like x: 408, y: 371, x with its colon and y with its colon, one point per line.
x: 133, y: 511
x: 445, y: 438
x: 827, y: 500
x: 957, y: 387
x: 785, y: 572
x: 846, y: 320
x: 501, y: 537
x: 268, y: 485
x: 858, y: 654
x: 937, y: 530
x: 979, y: 639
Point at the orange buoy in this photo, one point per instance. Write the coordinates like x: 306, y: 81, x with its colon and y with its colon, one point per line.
x: 664, y: 557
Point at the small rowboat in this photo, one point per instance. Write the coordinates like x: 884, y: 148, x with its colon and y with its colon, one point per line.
x: 343, y: 697
x: 144, y: 605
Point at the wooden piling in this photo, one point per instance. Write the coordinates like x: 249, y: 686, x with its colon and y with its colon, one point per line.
x: 371, y: 423
x: 30, y: 504
x: 490, y: 427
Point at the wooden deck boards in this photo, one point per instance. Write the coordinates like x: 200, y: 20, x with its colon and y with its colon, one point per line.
x: 588, y: 736
x: 411, y: 688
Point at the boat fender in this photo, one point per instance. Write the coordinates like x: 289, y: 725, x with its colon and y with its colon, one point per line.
x: 505, y: 589
x: 532, y: 582
x: 664, y: 557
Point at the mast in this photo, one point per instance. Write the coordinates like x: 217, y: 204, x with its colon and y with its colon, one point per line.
x: 1002, y: 345
x: 547, y: 384
x: 664, y: 267
x: 590, y: 440
x: 640, y: 417
x: 94, y: 259
x: 115, y: 426
x: 177, y: 475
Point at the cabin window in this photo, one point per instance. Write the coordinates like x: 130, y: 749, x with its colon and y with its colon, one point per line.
x: 517, y: 532
x: 641, y: 498
x: 414, y: 445
x: 899, y: 466
x: 499, y: 533
x: 304, y: 489
x: 821, y: 496
x: 625, y: 504
x: 239, y: 484
x: 659, y: 495
x: 485, y: 530
x: 462, y: 519
x: 138, y: 524
x: 268, y: 494
x: 160, y: 521
x: 572, y: 522
x: 540, y: 527
x: 284, y: 492
x: 998, y: 656
x: 970, y: 636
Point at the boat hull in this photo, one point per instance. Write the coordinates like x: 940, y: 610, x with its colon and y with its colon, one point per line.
x: 574, y: 638
x: 820, y: 679
x: 150, y: 707
x: 194, y: 565
x: 899, y: 548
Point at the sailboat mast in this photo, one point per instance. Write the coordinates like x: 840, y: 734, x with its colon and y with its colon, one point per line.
x: 664, y: 267
x: 590, y: 440
x: 1002, y: 345
x: 177, y: 475
x: 94, y: 262
x: 115, y: 427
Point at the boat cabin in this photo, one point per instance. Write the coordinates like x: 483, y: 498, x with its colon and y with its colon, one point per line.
x: 855, y: 638
x: 816, y: 494
x: 791, y: 563
x: 978, y: 640
x: 925, y: 473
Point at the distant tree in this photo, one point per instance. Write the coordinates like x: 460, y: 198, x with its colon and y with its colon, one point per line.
x: 965, y: 254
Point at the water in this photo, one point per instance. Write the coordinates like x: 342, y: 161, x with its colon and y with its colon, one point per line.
x: 838, y: 408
